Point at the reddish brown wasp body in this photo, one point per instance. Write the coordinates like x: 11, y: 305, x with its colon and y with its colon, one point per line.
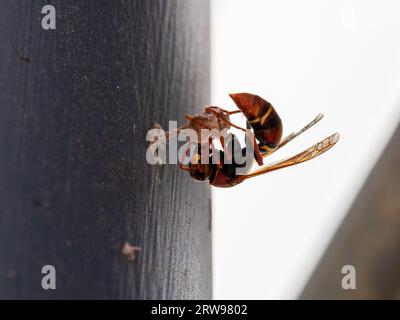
x: 262, y: 117
x: 266, y: 124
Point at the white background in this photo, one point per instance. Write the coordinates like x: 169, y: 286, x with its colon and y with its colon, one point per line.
x: 341, y: 58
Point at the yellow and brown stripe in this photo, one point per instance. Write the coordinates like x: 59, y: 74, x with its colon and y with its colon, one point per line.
x: 262, y: 117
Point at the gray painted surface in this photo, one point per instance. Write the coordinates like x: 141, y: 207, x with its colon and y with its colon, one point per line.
x: 75, y: 106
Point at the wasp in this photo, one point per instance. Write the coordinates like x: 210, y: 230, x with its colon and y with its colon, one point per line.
x: 267, y: 128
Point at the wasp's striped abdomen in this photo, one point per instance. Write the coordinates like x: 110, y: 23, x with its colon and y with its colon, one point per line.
x: 263, y: 118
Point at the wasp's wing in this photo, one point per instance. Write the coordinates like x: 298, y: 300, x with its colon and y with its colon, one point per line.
x: 294, y: 135
x: 312, y: 152
x: 290, y: 137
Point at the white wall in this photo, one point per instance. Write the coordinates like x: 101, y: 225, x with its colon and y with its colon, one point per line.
x: 341, y: 58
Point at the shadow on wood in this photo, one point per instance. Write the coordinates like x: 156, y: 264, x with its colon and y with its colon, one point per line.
x: 368, y: 239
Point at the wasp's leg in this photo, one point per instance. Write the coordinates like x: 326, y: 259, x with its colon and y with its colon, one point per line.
x: 231, y: 112
x: 226, y: 111
x: 227, y: 121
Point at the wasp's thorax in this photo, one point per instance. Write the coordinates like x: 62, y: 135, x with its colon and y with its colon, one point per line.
x: 208, y: 120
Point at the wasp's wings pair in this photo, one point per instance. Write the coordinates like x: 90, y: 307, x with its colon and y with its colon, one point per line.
x: 312, y: 152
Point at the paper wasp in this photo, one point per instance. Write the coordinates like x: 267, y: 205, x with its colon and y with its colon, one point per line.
x: 266, y: 125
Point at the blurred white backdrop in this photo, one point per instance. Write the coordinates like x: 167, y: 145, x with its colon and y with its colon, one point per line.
x: 341, y: 58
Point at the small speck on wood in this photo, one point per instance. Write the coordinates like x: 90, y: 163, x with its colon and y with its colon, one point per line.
x: 22, y: 56
x: 128, y: 251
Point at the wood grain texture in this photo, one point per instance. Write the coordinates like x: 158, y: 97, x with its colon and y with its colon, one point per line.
x: 368, y: 239
x: 75, y: 107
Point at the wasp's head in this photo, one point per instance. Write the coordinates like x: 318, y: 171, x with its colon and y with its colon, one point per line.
x: 199, y: 171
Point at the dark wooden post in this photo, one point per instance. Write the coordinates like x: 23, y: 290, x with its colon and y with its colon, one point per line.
x: 368, y: 239
x: 75, y: 106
